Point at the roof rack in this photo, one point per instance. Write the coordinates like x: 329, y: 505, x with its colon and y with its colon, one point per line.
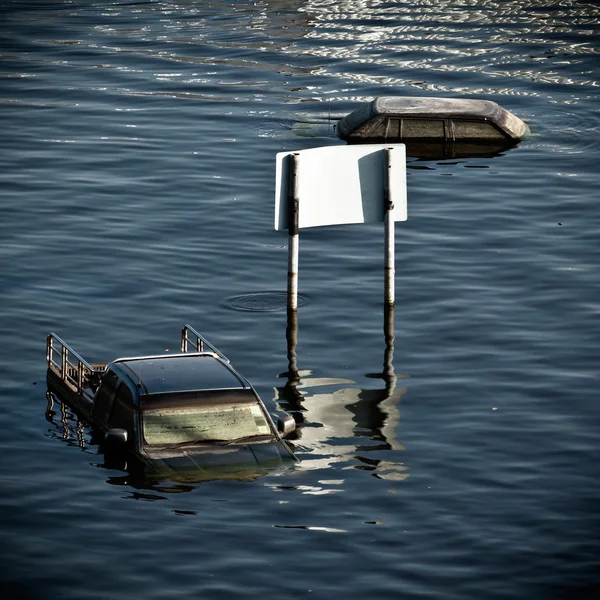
x: 189, y: 336
x: 70, y: 367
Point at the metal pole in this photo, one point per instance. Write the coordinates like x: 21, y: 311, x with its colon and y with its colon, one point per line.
x: 79, y: 376
x: 49, y: 350
x: 63, y: 358
x: 389, y: 376
x: 291, y: 334
x: 389, y: 270
x: 293, y: 207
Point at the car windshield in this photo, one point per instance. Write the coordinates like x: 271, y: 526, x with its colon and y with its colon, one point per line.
x: 223, y: 422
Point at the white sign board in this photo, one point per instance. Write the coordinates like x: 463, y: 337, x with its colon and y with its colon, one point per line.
x: 338, y: 185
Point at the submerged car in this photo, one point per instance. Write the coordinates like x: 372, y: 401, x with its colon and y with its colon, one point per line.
x: 434, y: 126
x: 174, y: 412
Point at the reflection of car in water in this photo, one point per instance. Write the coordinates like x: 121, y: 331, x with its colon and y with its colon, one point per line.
x: 185, y: 416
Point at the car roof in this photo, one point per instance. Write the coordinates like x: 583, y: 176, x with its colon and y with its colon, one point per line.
x: 434, y: 108
x: 182, y: 373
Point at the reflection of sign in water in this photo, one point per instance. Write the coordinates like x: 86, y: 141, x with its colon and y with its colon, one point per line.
x: 349, y: 425
x: 176, y: 426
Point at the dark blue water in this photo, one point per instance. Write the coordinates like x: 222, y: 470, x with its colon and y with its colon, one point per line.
x: 137, y: 144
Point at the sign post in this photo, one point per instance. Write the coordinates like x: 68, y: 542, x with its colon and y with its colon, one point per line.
x: 340, y: 185
x: 389, y: 248
x: 293, y: 236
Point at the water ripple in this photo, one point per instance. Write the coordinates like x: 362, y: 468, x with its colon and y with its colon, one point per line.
x: 136, y: 176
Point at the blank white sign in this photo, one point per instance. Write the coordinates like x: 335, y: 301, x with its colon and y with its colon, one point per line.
x: 338, y: 185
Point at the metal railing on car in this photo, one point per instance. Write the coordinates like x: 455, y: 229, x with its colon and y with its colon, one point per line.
x: 190, y: 337
x: 73, y: 370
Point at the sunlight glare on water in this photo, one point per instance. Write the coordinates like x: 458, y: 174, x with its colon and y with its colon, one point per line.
x: 137, y: 180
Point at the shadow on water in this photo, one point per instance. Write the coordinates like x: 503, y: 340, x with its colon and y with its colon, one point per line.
x: 16, y: 590
x: 328, y: 423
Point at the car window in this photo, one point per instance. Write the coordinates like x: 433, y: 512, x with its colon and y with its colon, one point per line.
x: 224, y: 421
x: 105, y: 396
x: 121, y: 414
x: 422, y: 129
x: 393, y: 129
x: 477, y: 130
x: 375, y: 128
x: 124, y: 395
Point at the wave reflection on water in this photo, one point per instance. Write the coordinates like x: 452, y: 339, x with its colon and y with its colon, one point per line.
x: 136, y: 181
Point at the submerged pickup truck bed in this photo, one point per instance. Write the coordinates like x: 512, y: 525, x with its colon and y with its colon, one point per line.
x: 169, y: 405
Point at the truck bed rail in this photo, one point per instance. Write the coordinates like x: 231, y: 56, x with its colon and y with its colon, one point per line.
x: 71, y: 368
x: 189, y: 336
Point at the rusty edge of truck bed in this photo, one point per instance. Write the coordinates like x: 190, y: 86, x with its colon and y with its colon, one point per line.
x: 74, y: 371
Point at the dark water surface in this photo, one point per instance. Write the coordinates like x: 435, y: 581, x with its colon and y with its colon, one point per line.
x: 137, y: 175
